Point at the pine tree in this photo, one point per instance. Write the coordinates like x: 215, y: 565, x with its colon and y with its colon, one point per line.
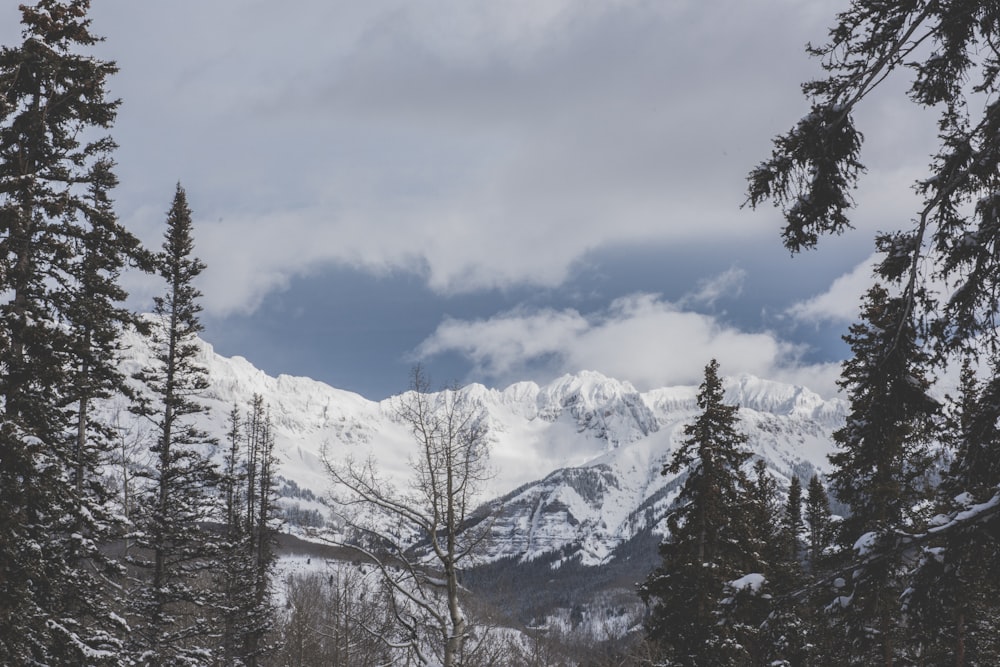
x: 175, y: 551
x: 819, y: 523
x: 881, y: 468
x: 261, y: 503
x: 950, y: 51
x: 952, y: 597
x: 61, y: 250
x: 233, y: 575
x: 973, y: 432
x: 792, y: 521
x: 706, y: 546
x: 745, y: 611
x: 767, y: 617
x: 94, y: 323
x: 812, y: 597
x: 251, y: 519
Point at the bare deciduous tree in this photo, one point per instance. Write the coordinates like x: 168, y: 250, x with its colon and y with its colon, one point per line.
x: 419, y: 537
x: 329, y: 619
x: 132, y: 441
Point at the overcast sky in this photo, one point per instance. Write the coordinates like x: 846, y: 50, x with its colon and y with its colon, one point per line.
x: 502, y: 190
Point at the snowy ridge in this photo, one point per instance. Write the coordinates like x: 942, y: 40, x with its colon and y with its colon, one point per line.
x: 587, y: 511
x: 584, y: 452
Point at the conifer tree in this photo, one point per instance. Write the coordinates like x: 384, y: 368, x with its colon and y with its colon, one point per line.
x: 706, y: 545
x: 952, y: 600
x: 766, y: 614
x: 768, y: 530
x: 951, y: 52
x: 175, y: 551
x: 95, y: 319
x: 811, y: 533
x: 232, y: 579
x: 248, y: 554
x: 744, y: 610
x: 61, y: 250
x: 261, y: 514
x: 882, y: 460
x: 818, y: 521
x: 792, y: 520
x: 880, y: 468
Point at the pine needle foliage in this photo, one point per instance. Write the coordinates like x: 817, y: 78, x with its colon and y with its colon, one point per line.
x: 61, y: 252
x: 706, y: 545
x: 174, y: 550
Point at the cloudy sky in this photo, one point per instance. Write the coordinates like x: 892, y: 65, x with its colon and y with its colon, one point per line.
x: 502, y: 190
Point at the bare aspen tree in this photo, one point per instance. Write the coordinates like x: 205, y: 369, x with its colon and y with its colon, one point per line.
x: 329, y: 619
x: 132, y: 440
x: 419, y: 537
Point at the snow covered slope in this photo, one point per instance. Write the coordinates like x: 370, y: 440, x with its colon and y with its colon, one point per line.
x: 586, y: 511
x: 577, y: 461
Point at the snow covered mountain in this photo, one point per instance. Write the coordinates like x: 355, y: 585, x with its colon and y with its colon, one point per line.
x: 586, y: 511
x: 577, y: 461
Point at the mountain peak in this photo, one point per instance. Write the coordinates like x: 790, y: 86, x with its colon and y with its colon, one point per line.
x: 571, y: 421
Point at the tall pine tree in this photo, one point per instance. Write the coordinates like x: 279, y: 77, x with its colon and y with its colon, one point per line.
x: 61, y: 250
x: 175, y: 552
x: 706, y: 545
x: 249, y: 556
x: 880, y: 469
x: 949, y: 51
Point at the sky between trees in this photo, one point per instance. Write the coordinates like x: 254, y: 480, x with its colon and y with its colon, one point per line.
x: 503, y: 192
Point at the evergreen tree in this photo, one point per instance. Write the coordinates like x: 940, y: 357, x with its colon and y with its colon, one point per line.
x: 61, y: 250
x: 882, y: 462
x: 234, y: 561
x: 744, y: 611
x: 251, y: 519
x: 261, y: 505
x: 812, y: 595
x: 819, y: 523
x: 706, y: 546
x: 94, y: 323
x: 973, y: 433
x: 950, y: 50
x: 175, y: 550
x: 770, y: 542
x: 792, y: 521
x: 766, y: 616
x: 952, y: 597
x: 880, y: 469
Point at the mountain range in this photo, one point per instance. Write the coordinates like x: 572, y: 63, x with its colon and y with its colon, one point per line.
x: 577, y: 462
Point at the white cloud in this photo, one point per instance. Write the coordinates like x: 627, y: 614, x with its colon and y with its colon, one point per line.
x: 504, y: 345
x: 841, y: 302
x: 482, y: 144
x: 728, y: 284
x: 640, y: 338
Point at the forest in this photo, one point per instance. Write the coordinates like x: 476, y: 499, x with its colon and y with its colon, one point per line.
x: 165, y: 551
